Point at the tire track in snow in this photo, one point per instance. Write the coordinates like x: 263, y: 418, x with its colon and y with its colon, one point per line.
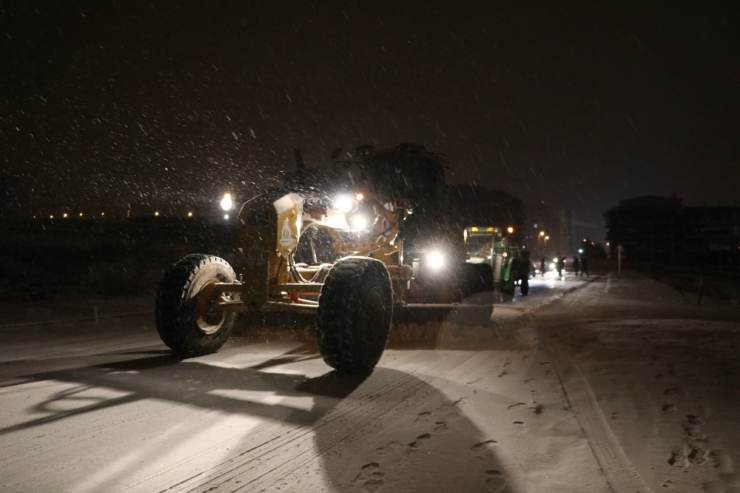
x: 620, y: 474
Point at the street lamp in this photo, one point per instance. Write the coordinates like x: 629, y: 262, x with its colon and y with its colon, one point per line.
x: 227, y: 202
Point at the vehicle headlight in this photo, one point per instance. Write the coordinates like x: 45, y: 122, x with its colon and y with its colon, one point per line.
x: 344, y: 203
x: 359, y: 223
x: 435, y: 259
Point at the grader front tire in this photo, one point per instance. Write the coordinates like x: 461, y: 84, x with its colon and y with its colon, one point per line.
x: 187, y: 322
x: 354, y: 315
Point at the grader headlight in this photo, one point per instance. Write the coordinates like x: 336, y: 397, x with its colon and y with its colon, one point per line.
x: 344, y: 203
x: 435, y: 260
x: 359, y: 222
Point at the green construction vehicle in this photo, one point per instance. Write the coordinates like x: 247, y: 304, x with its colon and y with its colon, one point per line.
x: 495, y: 246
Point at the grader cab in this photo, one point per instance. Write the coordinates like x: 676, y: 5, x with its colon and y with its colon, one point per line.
x: 327, y: 241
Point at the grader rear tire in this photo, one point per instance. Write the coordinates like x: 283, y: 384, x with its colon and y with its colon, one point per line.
x: 354, y: 315
x: 186, y: 322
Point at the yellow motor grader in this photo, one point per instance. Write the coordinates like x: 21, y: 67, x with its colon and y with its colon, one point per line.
x: 327, y: 241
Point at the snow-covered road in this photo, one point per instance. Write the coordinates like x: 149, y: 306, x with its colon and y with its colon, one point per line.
x: 609, y: 385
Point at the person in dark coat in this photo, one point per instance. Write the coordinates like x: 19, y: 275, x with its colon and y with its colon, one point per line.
x: 576, y: 265
x: 542, y: 266
x: 561, y: 267
x: 524, y: 273
x: 584, y: 266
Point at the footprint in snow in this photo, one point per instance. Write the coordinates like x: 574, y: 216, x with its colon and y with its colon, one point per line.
x: 373, y: 485
x: 394, y: 454
x: 669, y: 408
x: 674, y: 391
x: 694, y: 433
x: 370, y: 477
x: 423, y: 417
x: 694, y: 419
x: 495, y: 481
x: 536, y: 407
x: 687, y: 455
x: 518, y: 404
x: 480, y: 447
x: 440, y: 428
x: 389, y: 449
x: 420, y: 440
x: 698, y: 455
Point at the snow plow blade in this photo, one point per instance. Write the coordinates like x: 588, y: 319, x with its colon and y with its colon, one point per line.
x: 424, y: 313
x: 445, y: 326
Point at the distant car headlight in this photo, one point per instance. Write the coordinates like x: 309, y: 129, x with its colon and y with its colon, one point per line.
x: 435, y: 259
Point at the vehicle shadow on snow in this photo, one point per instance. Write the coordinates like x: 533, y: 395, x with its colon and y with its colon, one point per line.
x: 388, y: 428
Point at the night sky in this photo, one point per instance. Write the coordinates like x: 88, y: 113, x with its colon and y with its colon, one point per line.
x: 567, y: 104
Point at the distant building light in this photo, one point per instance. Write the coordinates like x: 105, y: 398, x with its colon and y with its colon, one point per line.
x: 190, y: 214
x: 156, y: 213
x: 226, y: 217
x: 80, y: 214
x: 64, y: 215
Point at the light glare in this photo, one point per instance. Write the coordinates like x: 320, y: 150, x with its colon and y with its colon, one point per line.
x: 344, y: 203
x: 435, y: 259
x: 227, y: 202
